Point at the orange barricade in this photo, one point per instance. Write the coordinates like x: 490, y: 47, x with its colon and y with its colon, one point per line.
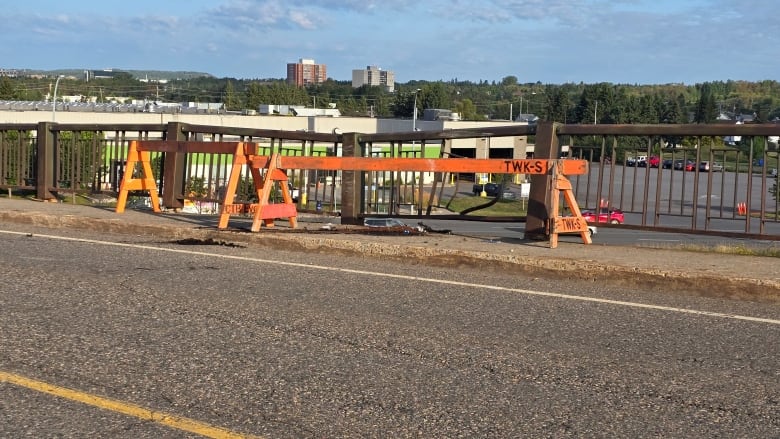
x: 558, y: 169
x: 139, y: 152
x: 268, y: 170
x: 566, y: 224
x: 131, y: 183
x: 264, y: 212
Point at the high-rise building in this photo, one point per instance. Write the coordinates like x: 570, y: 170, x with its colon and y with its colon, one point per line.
x: 374, y: 76
x: 306, y: 72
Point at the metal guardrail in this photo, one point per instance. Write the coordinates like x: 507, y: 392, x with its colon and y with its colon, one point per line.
x: 59, y: 159
x: 675, y: 191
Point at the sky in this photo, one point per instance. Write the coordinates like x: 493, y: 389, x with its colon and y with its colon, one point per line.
x: 547, y: 41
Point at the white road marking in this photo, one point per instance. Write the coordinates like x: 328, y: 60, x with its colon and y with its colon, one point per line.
x: 415, y: 278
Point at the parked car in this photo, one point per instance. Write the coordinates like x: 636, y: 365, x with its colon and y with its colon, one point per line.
x: 641, y: 161
x: 667, y: 163
x: 680, y: 164
x: 710, y: 166
x: 654, y: 161
x: 611, y: 216
x: 492, y: 190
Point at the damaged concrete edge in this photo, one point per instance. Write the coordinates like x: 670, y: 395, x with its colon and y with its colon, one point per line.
x: 708, y: 285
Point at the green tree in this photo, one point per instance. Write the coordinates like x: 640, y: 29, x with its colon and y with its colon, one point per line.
x: 434, y: 96
x: 232, y: 101
x: 403, y: 104
x: 468, y: 111
x: 253, y: 95
x: 509, y: 81
x: 558, y: 104
x: 706, y: 109
x: 7, y: 89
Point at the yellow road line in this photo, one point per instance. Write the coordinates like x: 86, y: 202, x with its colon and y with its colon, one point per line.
x: 133, y: 410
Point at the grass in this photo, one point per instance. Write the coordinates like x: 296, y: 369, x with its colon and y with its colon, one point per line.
x: 738, y: 250
x: 500, y: 208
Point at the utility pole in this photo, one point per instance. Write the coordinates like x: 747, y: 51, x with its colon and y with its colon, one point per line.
x: 414, y: 110
x: 54, y: 99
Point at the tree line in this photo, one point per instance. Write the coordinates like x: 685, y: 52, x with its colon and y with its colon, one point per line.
x: 603, y: 103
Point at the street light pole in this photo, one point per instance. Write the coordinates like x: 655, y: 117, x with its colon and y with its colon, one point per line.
x: 521, y: 105
x: 414, y: 110
x: 54, y: 99
x: 485, y: 177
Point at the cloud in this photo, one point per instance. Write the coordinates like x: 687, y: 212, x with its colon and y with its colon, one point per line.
x: 260, y: 14
x: 358, y: 6
x: 302, y: 19
x: 500, y: 11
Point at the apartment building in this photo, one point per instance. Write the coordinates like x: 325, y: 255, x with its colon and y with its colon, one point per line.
x: 306, y: 72
x: 374, y: 76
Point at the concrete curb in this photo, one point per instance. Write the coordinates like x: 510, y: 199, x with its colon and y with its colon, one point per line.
x: 706, y: 284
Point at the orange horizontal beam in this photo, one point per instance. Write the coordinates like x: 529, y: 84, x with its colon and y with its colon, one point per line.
x: 493, y: 166
x: 272, y: 211
x: 195, y: 147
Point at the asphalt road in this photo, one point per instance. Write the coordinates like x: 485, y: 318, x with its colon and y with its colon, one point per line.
x: 248, y: 340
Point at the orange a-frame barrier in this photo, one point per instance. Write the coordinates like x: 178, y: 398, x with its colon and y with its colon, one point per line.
x: 139, y: 153
x: 264, y: 211
x: 130, y: 183
x: 267, y: 170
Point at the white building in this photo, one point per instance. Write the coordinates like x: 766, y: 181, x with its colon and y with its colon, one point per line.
x: 374, y: 76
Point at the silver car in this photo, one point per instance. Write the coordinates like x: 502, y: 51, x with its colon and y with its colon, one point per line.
x: 710, y: 166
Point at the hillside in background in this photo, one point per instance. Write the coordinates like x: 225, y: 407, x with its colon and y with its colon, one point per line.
x: 138, y: 74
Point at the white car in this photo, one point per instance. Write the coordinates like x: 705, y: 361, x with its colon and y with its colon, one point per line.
x: 710, y: 166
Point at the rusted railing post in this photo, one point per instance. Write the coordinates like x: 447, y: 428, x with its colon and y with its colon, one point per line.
x: 44, y: 178
x: 351, y: 183
x: 174, y: 172
x: 539, y: 197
